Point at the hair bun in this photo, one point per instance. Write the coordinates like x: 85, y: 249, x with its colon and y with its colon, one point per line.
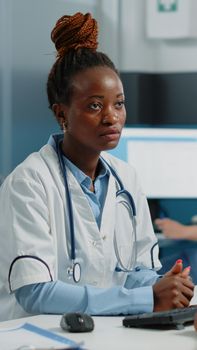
x: 73, y: 32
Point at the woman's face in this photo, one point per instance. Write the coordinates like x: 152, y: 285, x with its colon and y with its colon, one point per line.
x: 96, y: 113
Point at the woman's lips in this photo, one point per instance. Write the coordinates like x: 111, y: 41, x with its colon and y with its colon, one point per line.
x: 111, y: 135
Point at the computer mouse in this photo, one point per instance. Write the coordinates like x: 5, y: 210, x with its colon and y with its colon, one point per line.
x: 77, y: 322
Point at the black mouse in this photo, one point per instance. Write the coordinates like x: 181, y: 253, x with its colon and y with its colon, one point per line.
x: 77, y: 322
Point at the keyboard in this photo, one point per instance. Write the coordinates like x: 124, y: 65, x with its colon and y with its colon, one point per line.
x: 175, y: 318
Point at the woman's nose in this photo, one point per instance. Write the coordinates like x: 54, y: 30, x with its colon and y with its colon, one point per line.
x: 110, y: 118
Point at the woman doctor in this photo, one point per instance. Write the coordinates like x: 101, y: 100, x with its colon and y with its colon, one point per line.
x: 67, y: 243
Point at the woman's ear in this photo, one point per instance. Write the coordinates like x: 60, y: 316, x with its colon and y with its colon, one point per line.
x: 59, y: 111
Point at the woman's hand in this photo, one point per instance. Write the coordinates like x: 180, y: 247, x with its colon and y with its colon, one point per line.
x: 174, y: 290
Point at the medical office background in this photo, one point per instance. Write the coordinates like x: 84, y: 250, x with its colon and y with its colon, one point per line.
x: 154, y: 45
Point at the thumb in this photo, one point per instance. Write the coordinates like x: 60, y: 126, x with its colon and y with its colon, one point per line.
x: 176, y: 268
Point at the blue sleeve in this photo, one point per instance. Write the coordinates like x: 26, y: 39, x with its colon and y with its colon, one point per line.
x: 58, y: 297
x: 141, y: 277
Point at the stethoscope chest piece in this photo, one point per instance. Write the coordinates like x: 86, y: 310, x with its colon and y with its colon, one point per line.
x: 75, y: 272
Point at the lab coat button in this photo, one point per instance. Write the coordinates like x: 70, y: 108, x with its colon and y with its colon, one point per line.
x: 103, y: 237
x: 94, y: 243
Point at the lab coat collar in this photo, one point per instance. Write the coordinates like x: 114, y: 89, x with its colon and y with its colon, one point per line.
x: 54, y: 139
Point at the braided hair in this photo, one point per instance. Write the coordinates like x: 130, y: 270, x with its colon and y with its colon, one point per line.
x: 75, y: 39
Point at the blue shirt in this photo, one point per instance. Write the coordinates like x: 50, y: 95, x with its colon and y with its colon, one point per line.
x: 96, y: 198
x: 58, y: 297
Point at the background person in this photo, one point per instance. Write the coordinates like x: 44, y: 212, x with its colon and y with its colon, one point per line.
x: 72, y: 174
x: 175, y: 230
x: 183, y: 245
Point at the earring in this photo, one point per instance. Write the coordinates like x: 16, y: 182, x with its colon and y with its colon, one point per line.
x: 64, y: 127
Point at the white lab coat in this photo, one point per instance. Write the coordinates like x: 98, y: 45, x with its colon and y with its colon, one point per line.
x: 34, y: 229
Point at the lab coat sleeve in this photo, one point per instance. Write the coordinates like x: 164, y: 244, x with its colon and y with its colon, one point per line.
x: 30, y: 245
x: 58, y: 297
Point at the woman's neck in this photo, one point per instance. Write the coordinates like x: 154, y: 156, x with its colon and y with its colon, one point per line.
x: 85, y: 160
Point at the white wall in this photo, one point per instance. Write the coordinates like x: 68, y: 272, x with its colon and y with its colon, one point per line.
x: 142, y: 54
x: 137, y: 53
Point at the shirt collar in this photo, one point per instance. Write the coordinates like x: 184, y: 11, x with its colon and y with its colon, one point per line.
x: 82, y: 178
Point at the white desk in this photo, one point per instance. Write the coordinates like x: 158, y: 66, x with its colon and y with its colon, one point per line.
x: 110, y: 334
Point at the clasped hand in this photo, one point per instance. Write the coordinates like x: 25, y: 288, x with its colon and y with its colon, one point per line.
x: 174, y: 290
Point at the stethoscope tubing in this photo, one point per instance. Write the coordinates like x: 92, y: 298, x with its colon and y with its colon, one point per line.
x: 76, y: 266
x: 70, y: 207
x: 121, y: 188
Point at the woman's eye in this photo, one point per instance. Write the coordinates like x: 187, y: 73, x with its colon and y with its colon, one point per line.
x: 95, y: 106
x: 120, y: 104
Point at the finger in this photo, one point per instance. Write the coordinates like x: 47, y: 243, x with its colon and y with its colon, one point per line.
x: 186, y: 272
x: 158, y: 221
x: 178, y: 304
x: 187, y: 282
x: 182, y: 301
x: 176, y: 269
x: 183, y: 290
x: 176, y: 301
x: 187, y: 292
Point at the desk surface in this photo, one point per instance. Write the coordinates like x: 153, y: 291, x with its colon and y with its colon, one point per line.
x: 110, y: 334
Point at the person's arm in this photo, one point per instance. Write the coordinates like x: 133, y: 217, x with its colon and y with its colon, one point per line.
x: 175, y: 289
x: 174, y: 229
x: 59, y: 297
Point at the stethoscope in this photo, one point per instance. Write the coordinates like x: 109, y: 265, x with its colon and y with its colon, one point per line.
x: 74, y: 270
